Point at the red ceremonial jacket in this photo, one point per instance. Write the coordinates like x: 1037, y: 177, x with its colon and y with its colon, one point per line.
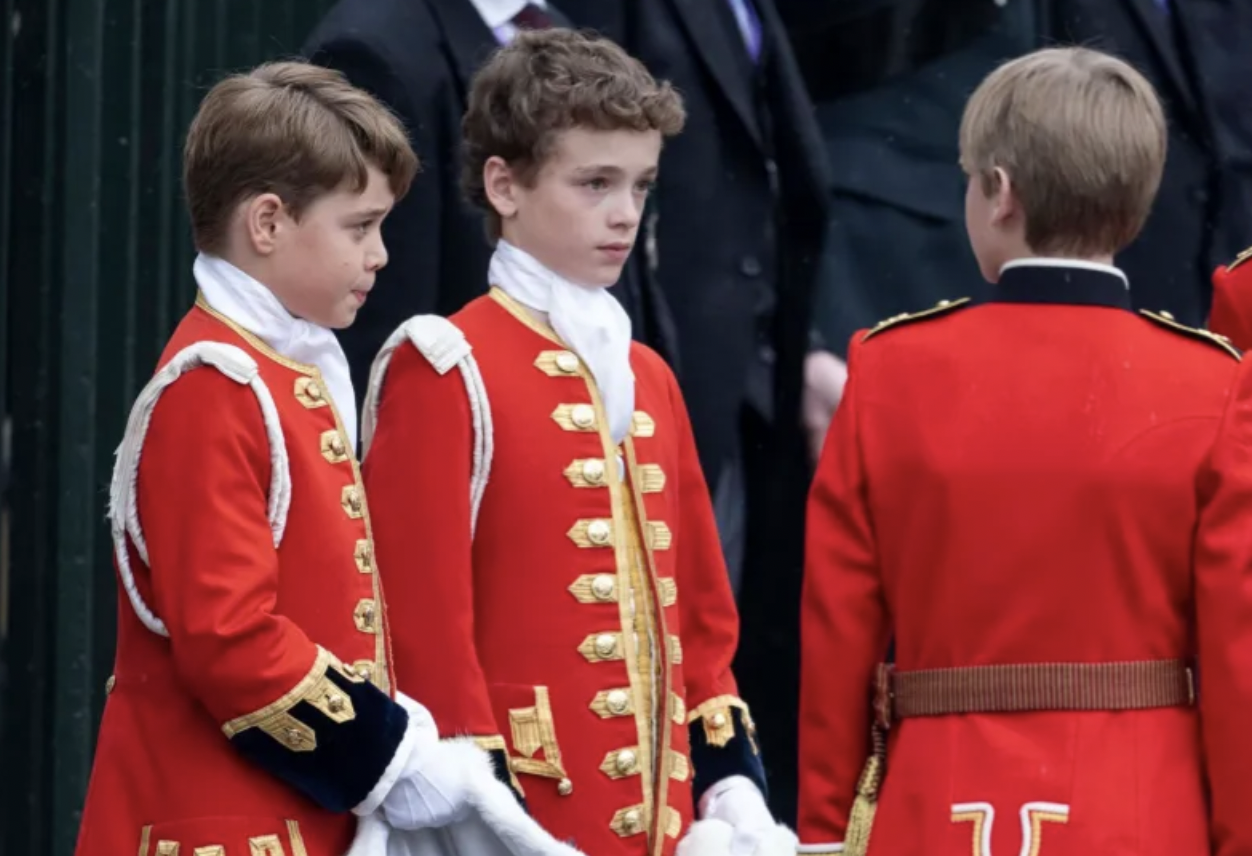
x: 1045, y: 478
x: 250, y: 705
x: 584, y: 619
x: 1231, y: 313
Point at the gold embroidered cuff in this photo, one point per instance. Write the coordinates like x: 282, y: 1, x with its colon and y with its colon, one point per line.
x: 719, y: 725
x: 317, y: 689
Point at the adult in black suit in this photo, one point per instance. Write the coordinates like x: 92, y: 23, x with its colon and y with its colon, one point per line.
x: 1195, y: 53
x: 733, y: 237
x: 418, y: 57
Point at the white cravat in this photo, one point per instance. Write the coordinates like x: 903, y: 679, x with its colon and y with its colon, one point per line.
x: 255, y: 308
x: 587, y: 318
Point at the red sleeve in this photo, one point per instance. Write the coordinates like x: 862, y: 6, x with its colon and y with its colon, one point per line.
x: 202, y: 485
x: 1223, y: 602
x: 844, y: 627
x: 417, y: 478
x: 204, y: 475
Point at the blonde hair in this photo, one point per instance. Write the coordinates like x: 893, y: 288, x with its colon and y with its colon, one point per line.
x: 1082, y: 137
x: 295, y: 129
x: 547, y: 81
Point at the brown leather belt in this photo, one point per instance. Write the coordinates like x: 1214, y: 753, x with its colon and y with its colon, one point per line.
x: 1032, y: 687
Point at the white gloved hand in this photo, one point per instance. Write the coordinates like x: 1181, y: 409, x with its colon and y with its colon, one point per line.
x: 738, y: 802
x: 429, y: 783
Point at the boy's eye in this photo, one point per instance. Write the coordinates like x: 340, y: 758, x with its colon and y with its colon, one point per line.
x: 598, y: 184
x: 645, y: 187
x: 363, y: 228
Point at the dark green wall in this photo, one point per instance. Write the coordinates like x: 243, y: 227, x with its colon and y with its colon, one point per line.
x: 95, y: 259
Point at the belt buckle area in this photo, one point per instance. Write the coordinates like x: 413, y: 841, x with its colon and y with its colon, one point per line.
x: 884, y: 698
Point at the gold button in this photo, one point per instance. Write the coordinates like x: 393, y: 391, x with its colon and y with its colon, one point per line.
x: 354, y: 499
x: 567, y: 362
x: 942, y: 303
x: 718, y: 720
x: 365, y: 671
x: 630, y: 820
x: 313, y: 391
x: 602, y: 587
x: 364, y: 557
x: 335, y: 703
x: 565, y: 787
x: 598, y: 532
x: 583, y: 415
x: 1168, y: 316
x: 625, y: 761
x: 336, y: 445
x: 294, y: 738
x: 618, y: 701
x: 606, y: 644
x: 593, y: 471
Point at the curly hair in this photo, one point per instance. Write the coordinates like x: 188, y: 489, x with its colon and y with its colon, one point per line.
x: 548, y: 81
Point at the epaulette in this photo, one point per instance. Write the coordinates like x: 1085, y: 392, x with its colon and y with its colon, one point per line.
x: 1240, y: 259
x: 940, y: 308
x: 1165, y: 319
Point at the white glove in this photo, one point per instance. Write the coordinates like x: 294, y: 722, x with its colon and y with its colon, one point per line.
x: 428, y: 783
x: 738, y: 802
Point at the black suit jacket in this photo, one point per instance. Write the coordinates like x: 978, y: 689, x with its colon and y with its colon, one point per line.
x: 1201, y: 216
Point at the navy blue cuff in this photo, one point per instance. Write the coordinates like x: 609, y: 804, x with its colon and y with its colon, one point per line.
x: 332, y: 743
x: 716, y: 754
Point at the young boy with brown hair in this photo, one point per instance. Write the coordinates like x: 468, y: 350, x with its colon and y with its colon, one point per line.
x: 1042, y: 500
x: 253, y: 707
x: 557, y: 585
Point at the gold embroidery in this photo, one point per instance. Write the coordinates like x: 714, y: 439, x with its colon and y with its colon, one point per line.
x: 673, y: 822
x: 210, y: 850
x: 334, y: 449
x: 621, y: 763
x: 364, y: 671
x: 659, y: 535
x: 628, y: 821
x: 680, y: 767
x: 595, y: 588
x: 589, y: 534
x: 558, y: 363
x: 642, y: 425
x: 167, y: 848
x: 610, y: 703
x: 364, y: 615
x: 1165, y: 319
x: 675, y: 651
x: 669, y: 591
x: 110, y: 684
x: 255, y: 342
x: 938, y: 309
x: 297, y: 840
x: 315, y: 688
x: 145, y: 838
x: 575, y: 417
x: 601, y: 647
x: 587, y: 472
x: 678, y: 710
x: 1240, y: 259
x: 534, y: 729
x: 351, y: 501
x: 364, y: 556
x: 719, y: 725
x: 494, y: 743
x: 309, y: 393
x: 651, y: 478
x: 265, y: 845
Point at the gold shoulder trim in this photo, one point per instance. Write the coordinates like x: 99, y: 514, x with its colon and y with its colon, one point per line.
x: 940, y: 308
x: 1240, y: 259
x: 1165, y: 319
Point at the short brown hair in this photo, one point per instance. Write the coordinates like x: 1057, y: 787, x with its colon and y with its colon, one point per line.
x: 547, y: 81
x: 290, y: 128
x: 1082, y: 137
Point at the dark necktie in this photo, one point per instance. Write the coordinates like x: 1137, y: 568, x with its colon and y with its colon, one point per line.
x: 532, y: 17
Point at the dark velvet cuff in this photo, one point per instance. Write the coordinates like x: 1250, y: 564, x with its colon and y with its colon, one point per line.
x: 723, y: 743
x: 332, y: 743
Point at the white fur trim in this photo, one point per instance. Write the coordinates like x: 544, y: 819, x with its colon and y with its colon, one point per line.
x: 123, y: 493
x: 713, y: 837
x: 444, y: 345
x: 420, y: 730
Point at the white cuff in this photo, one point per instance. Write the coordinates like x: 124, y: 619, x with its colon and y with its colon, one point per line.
x: 420, y: 730
x: 736, y: 800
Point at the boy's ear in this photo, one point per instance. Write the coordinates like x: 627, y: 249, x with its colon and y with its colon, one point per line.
x: 261, y: 217
x: 1003, y: 196
x: 500, y: 186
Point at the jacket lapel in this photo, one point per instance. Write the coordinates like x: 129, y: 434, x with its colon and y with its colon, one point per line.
x: 705, y: 32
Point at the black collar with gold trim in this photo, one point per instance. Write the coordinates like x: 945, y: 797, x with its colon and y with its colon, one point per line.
x: 1064, y: 284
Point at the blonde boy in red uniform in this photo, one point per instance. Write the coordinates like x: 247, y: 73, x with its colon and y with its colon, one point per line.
x: 557, y: 585
x: 252, y: 710
x: 1045, y: 501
